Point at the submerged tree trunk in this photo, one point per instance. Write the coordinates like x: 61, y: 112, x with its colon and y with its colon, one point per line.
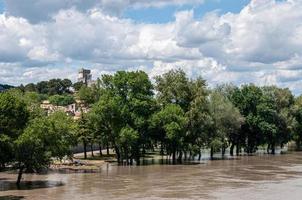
x: 232, y: 149
x: 273, y: 148
x: 20, y: 175
x: 212, y: 153
x: 179, y: 156
x: 100, y: 148
x: 268, y: 148
x: 222, y: 151
x: 85, y: 149
x: 199, y: 155
x: 107, y: 149
x: 118, y: 155
x: 237, y: 149
x: 174, y: 156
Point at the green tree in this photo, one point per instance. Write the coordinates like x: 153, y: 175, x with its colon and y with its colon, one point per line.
x: 198, y: 117
x: 174, y: 87
x: 43, y: 139
x: 127, y: 140
x: 85, y: 132
x: 61, y: 100
x: 88, y: 95
x: 127, y: 99
x: 226, y: 121
x: 77, y: 86
x: 171, y: 121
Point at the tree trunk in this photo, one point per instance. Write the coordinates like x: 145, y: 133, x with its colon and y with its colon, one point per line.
x: 107, y: 149
x: 20, y: 175
x: 273, y: 148
x: 222, y: 151
x: 161, y: 148
x: 212, y: 153
x: 237, y: 149
x: 100, y: 148
x: 118, y: 156
x: 174, y: 156
x: 85, y: 149
x: 268, y: 148
x: 232, y: 149
x: 199, y: 155
x: 180, y: 156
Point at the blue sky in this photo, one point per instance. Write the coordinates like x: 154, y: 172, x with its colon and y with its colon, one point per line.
x: 1, y: 6
x: 258, y: 41
x: 166, y: 14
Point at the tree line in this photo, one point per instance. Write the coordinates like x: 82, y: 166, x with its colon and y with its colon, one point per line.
x: 132, y: 115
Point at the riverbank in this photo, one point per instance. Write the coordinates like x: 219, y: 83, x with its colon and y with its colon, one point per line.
x: 79, y: 164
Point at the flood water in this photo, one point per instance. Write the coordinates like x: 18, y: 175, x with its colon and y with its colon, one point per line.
x: 247, y: 177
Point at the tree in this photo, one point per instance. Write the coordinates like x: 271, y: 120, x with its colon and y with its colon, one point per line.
x: 236, y: 137
x: 13, y: 119
x: 171, y: 121
x: 51, y: 87
x: 85, y: 131
x: 107, y: 119
x: 273, y: 116
x: 127, y: 140
x: 61, y: 100
x: 44, y: 138
x: 226, y: 121
x: 77, y: 86
x: 30, y: 87
x: 174, y: 87
x: 88, y: 95
x: 296, y: 111
x: 198, y: 117
x: 126, y: 100
x: 246, y: 99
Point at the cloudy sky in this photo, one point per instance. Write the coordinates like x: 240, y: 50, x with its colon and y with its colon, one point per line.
x: 238, y: 41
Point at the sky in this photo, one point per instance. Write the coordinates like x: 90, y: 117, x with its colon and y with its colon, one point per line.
x: 224, y: 41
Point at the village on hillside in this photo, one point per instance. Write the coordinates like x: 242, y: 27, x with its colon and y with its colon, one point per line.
x: 78, y: 106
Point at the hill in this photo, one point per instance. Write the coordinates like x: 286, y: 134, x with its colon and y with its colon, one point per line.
x: 5, y: 87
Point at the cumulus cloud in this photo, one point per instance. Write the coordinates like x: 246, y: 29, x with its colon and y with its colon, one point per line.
x: 261, y: 44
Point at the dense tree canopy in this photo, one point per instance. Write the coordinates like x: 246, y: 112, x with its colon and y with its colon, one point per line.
x: 177, y: 116
x: 51, y: 87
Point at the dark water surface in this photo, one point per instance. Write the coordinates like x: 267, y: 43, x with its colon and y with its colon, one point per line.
x: 248, y: 177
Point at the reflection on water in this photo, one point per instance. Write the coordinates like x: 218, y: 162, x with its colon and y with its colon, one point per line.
x: 28, y: 185
x: 11, y: 197
x: 245, y: 177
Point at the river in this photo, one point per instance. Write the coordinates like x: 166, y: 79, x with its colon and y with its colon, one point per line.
x: 264, y: 177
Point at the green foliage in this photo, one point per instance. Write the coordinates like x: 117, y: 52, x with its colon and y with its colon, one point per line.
x: 174, y: 87
x: 77, y: 86
x: 51, y: 87
x: 88, y: 94
x: 43, y: 139
x: 171, y: 122
x: 226, y: 121
x: 13, y: 115
x: 61, y: 100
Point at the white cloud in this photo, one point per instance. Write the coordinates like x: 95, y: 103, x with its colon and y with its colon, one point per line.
x: 261, y: 44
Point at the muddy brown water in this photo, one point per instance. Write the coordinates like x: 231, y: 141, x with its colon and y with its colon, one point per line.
x: 262, y: 177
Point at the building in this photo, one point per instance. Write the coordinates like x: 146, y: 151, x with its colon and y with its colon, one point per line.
x: 85, y: 76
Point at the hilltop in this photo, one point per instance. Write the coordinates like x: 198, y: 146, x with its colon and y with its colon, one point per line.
x: 5, y: 87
